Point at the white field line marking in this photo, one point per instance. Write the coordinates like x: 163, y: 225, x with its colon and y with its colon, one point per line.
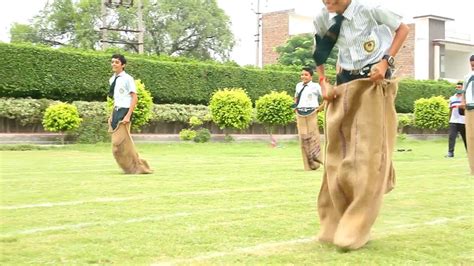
x: 141, y: 219
x: 205, y: 192
x: 268, y: 247
x: 105, y: 200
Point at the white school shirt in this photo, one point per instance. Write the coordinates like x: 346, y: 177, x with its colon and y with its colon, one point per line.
x: 365, y: 36
x: 309, y: 97
x: 124, y: 85
x: 469, y: 89
x: 454, y: 102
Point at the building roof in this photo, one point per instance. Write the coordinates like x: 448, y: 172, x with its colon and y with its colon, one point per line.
x: 434, y: 17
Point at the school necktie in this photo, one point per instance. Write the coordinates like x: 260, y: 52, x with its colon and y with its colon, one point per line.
x: 325, y: 44
x: 112, y: 88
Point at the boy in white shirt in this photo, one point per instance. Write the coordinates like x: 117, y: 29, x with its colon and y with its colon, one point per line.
x: 123, y: 91
x: 307, y: 94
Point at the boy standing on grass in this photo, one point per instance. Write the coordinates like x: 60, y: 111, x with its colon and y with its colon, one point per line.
x: 361, y: 124
x: 456, y: 120
x: 307, y: 95
x: 124, y: 93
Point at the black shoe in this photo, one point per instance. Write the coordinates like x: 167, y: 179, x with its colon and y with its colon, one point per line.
x: 449, y: 155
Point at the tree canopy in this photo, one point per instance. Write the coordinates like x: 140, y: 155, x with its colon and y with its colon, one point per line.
x: 192, y: 28
x: 298, y: 50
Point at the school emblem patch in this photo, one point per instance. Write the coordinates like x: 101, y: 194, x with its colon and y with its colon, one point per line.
x: 369, y: 46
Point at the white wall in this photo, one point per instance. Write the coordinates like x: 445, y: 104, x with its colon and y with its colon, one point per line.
x: 422, y: 48
x: 456, y: 65
x: 300, y: 24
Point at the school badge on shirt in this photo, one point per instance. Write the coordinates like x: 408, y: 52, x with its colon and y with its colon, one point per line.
x: 369, y: 46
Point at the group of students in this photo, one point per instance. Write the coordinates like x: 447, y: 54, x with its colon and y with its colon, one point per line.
x: 360, y: 116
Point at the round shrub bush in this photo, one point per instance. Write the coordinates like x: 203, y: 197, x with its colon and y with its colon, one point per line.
x: 431, y: 113
x: 143, y: 111
x: 187, y: 134
x: 61, y: 117
x: 202, y: 135
x: 231, y: 108
x: 274, y: 109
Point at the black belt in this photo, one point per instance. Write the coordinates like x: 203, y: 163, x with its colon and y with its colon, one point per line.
x: 305, y: 110
x: 116, y: 108
x: 364, y: 71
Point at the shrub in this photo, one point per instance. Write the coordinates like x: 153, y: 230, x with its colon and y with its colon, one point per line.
x: 26, y: 111
x: 321, y: 119
x: 202, y: 135
x: 231, y: 108
x: 91, y: 131
x: 274, y: 109
x: 143, y: 111
x: 405, y: 120
x: 194, y: 121
x: 431, y: 113
x: 187, y: 134
x: 61, y: 117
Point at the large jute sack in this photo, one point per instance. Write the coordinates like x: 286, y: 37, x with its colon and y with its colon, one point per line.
x: 360, y: 134
x: 124, y: 151
x: 308, y: 132
x: 469, y: 115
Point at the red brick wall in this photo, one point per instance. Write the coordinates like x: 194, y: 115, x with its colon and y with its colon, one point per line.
x: 275, y: 32
x: 405, y: 59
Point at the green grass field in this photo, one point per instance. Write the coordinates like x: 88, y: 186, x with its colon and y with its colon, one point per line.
x: 218, y: 203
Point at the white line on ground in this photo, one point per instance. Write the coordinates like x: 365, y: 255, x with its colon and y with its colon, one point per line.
x: 284, y: 244
x: 142, y: 219
x: 105, y: 200
x: 205, y: 192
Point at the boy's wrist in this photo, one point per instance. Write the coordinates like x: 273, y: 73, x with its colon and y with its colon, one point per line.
x: 321, y: 79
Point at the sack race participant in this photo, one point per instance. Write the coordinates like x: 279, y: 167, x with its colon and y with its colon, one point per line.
x: 124, y: 93
x: 468, y: 105
x: 360, y: 117
x: 306, y: 106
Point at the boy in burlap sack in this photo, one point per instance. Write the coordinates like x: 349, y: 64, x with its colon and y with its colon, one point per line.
x: 360, y: 117
x: 468, y: 105
x: 124, y: 93
x: 306, y: 105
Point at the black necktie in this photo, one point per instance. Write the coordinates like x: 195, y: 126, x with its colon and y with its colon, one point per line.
x: 112, y: 88
x: 325, y: 44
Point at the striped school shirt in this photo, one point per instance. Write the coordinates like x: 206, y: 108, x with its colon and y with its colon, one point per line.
x: 365, y: 36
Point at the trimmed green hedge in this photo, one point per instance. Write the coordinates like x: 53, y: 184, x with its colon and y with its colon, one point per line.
x: 38, y: 72
x: 75, y: 75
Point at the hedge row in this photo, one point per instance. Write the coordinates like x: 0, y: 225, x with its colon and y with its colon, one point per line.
x: 30, y: 112
x: 38, y: 72
x: 66, y: 75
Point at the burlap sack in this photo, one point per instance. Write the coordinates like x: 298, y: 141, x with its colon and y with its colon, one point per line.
x: 360, y: 134
x: 469, y: 118
x: 125, y: 153
x: 308, y: 132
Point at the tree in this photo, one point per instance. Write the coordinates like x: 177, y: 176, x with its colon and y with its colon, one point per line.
x: 298, y: 50
x: 193, y: 28
x: 23, y: 33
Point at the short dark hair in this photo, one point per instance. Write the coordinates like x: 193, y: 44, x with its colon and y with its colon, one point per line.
x: 120, y: 57
x: 459, y: 83
x: 472, y: 58
x: 309, y: 70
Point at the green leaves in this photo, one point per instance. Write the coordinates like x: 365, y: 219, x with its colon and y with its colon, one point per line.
x: 61, y: 117
x: 274, y: 109
x: 432, y: 113
x: 231, y: 108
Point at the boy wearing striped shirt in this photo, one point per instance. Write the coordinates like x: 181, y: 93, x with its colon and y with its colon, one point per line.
x: 361, y: 123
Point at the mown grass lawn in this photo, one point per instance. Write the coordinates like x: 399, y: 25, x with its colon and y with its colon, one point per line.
x: 217, y: 203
